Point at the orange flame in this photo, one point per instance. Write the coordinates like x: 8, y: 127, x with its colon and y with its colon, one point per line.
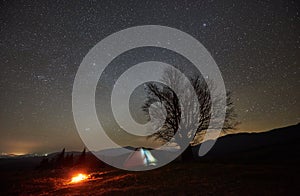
x: 78, y: 178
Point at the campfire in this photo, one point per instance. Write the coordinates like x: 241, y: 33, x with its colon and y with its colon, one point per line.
x: 79, y: 178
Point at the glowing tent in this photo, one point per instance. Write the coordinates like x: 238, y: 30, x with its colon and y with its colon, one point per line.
x: 140, y: 157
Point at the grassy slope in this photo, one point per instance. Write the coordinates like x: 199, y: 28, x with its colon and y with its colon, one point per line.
x: 271, y: 169
x: 176, y: 178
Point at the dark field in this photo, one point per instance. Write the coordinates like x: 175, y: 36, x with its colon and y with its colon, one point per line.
x: 174, y: 179
x: 241, y: 164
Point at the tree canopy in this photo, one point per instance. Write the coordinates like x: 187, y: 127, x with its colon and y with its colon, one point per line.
x: 162, y: 103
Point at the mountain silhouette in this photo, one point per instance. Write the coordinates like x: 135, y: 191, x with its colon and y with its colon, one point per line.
x: 280, y: 144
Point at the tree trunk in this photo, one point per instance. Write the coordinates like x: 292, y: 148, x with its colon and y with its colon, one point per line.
x: 187, y: 155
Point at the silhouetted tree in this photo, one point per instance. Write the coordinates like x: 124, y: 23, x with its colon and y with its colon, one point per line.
x: 82, y: 157
x: 60, y: 158
x: 44, y: 164
x: 68, y: 161
x: 180, y: 118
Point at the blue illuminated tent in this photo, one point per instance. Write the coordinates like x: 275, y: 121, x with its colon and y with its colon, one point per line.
x: 140, y: 157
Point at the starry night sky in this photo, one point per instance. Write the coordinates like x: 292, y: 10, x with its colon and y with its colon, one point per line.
x: 255, y: 44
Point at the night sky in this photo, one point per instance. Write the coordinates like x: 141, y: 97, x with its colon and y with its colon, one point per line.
x: 256, y: 45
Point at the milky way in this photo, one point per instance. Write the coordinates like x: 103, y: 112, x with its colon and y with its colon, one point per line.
x: 256, y: 45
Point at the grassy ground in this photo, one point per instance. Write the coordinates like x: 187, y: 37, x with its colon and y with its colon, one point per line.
x: 174, y: 179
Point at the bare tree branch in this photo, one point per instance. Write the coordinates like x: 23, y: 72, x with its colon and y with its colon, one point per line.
x: 176, y: 117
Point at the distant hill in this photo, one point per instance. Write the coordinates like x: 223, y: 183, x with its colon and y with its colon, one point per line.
x: 282, y: 144
x: 278, y: 145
